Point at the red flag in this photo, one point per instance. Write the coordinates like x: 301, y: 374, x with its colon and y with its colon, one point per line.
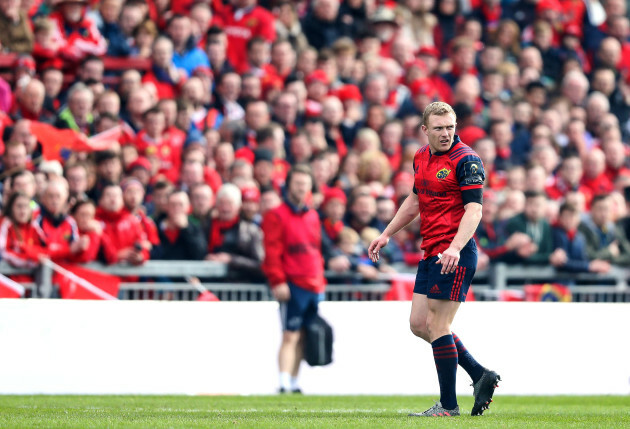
x: 76, y: 282
x: 207, y: 296
x: 10, y: 288
x: 53, y: 140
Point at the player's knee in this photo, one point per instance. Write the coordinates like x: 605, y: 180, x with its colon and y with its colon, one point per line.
x: 418, y: 326
x: 291, y: 337
x: 436, y: 326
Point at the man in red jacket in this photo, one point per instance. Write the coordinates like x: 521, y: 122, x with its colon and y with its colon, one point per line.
x: 294, y: 267
x: 243, y: 20
x: 123, y: 236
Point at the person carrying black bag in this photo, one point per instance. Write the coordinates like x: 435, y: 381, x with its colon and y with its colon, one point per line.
x: 294, y: 266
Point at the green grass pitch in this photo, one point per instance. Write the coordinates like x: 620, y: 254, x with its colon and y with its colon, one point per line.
x: 297, y: 411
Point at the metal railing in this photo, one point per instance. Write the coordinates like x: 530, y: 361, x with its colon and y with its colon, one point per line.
x: 164, y: 280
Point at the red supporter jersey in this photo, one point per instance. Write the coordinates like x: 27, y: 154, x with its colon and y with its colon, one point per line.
x: 121, y: 230
x: 58, y: 237
x: 168, y: 150
x: 243, y: 25
x: 293, y: 241
x: 445, y: 182
x: 20, y: 245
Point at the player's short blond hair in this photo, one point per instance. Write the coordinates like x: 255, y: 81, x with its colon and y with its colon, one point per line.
x: 437, y: 108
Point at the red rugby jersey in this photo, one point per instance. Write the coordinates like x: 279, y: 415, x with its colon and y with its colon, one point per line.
x: 445, y: 182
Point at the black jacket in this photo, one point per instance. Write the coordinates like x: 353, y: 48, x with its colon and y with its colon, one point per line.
x: 190, y: 245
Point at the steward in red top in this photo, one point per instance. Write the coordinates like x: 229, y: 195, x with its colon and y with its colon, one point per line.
x: 293, y: 242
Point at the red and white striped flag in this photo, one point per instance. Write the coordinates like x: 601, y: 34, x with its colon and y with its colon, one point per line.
x: 10, y: 288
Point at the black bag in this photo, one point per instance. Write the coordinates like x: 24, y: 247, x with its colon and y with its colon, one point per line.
x: 318, y: 342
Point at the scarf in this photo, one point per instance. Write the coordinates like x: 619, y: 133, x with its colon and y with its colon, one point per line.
x: 332, y: 229
x: 217, y: 232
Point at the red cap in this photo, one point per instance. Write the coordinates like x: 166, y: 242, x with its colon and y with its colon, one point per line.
x: 140, y: 162
x: 349, y: 92
x: 317, y: 75
x: 429, y: 50
x: 334, y: 194
x: 422, y: 87
x: 26, y: 61
x: 250, y: 194
x: 543, y: 5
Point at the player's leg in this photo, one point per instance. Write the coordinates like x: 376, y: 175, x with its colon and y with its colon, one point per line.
x: 439, y: 319
x: 310, y: 305
x: 292, y: 317
x: 288, y: 358
x: 418, y: 317
x: 419, y: 303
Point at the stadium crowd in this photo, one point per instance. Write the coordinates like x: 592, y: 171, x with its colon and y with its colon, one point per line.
x: 238, y: 91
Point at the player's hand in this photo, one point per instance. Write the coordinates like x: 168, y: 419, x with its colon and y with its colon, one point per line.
x: 281, y: 292
x: 449, y: 260
x: 376, y: 245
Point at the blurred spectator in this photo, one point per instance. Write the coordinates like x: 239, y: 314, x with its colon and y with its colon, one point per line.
x: 83, y: 212
x: 604, y: 240
x: 595, y: 178
x: 491, y: 236
x: 78, y: 115
x: 288, y: 25
x: 123, y: 236
x: 269, y: 199
x: 243, y: 20
x: 133, y: 197
x: 233, y: 240
x: 59, y: 231
x: 570, y: 246
x: 186, y: 55
x: 77, y: 177
x: 250, y: 209
x: 201, y: 205
x: 108, y: 21
x: 322, y: 26
x: 350, y: 246
x: 179, y: 238
x: 15, y: 31
x: 533, y: 223
x: 159, y: 206
x: 21, y: 243
x: 14, y: 157
x: 152, y: 142
x: 30, y: 103
x: 76, y: 35
x: 568, y: 179
x: 216, y: 48
x: 108, y: 170
x: 166, y: 77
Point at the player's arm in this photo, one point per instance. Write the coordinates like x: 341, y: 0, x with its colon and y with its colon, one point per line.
x: 471, y: 176
x: 407, y: 212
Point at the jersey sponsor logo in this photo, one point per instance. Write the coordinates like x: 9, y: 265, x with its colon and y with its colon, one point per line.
x: 443, y: 173
x: 240, y: 32
x: 431, y: 193
x: 435, y: 289
x: 473, y: 173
